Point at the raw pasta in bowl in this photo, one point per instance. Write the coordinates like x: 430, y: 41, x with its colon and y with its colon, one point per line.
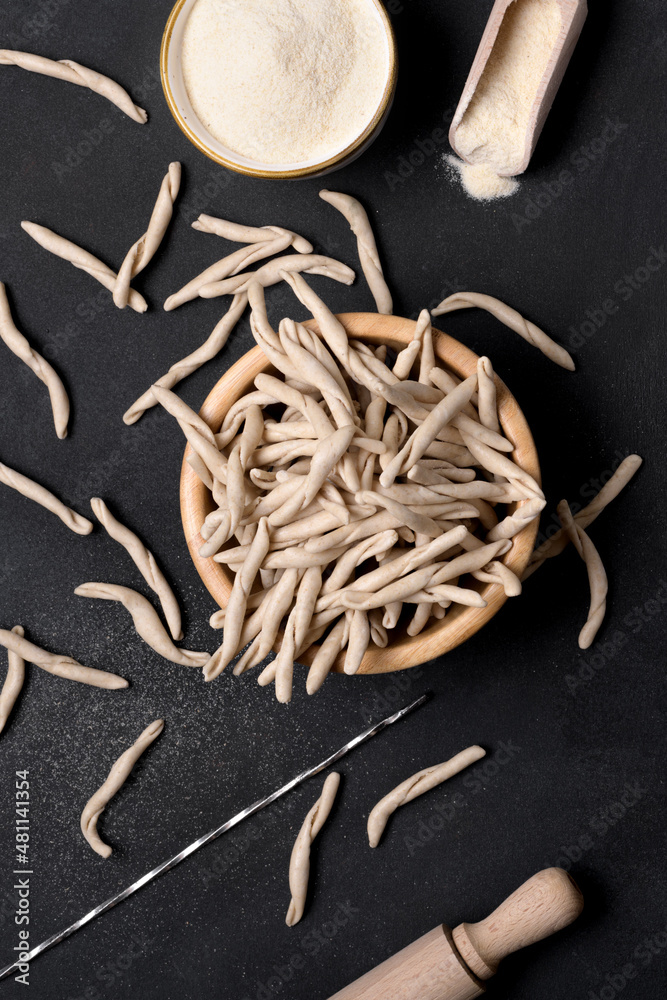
x: 382, y: 498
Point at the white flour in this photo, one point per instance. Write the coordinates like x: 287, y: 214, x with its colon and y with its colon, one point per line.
x: 284, y: 81
x: 493, y: 129
x: 481, y: 181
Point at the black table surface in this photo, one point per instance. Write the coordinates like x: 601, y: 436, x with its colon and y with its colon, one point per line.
x: 575, y: 768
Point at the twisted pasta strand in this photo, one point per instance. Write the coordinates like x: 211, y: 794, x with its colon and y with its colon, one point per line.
x: 20, y: 346
x: 118, y: 775
x: 73, y: 72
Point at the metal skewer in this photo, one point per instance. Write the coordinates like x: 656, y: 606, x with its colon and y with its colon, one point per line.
x: 212, y: 835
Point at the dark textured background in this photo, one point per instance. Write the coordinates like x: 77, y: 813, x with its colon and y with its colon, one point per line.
x: 578, y: 747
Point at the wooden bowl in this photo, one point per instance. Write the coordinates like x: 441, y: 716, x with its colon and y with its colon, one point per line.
x: 460, y: 622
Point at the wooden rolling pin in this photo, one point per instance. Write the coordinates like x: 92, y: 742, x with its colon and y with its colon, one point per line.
x: 451, y: 965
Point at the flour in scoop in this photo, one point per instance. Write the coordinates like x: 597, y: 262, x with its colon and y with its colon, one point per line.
x: 492, y: 132
x: 285, y: 81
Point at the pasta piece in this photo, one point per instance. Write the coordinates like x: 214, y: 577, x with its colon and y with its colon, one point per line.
x: 181, y: 369
x: 597, y: 577
x: 81, y: 259
x: 487, y: 404
x: 514, y: 523
x: 499, y: 573
x: 425, y: 434
x: 175, y: 406
x: 295, y: 630
x: 73, y: 72
x: 426, y: 354
x: 60, y: 666
x: 271, y: 274
x: 369, y: 258
x: 411, y: 788
x: 500, y: 465
x: 146, y: 621
x: 511, y: 318
x: 142, y: 252
x: 403, y: 514
x: 299, y: 868
x: 225, y: 268
x: 555, y: 545
x: 118, y: 775
x: 282, y: 595
x: 33, y: 491
x: 326, y: 655
x: 13, y: 681
x: 324, y: 459
x: 20, y: 346
x: 358, y: 641
x: 249, y: 234
x: 145, y: 562
x: 238, y: 599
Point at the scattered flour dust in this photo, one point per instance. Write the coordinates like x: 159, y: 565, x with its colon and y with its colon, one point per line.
x: 284, y: 81
x: 492, y: 132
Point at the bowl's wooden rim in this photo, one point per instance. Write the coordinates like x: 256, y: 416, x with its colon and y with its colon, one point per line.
x: 461, y: 622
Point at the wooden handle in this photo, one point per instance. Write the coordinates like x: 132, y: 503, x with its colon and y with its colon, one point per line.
x: 544, y: 904
x: 451, y: 966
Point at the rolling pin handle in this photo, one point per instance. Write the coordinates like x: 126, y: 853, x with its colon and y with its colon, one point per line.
x: 544, y: 904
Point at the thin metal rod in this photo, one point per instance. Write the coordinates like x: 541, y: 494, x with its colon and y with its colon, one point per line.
x: 208, y: 837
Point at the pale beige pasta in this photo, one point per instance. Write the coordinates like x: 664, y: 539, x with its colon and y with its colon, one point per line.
x: 512, y: 319
x: 145, y: 562
x: 236, y: 606
x: 60, y: 666
x: 295, y: 630
x: 237, y: 233
x: 45, y: 372
x: 13, y: 683
x: 416, y: 785
x: 299, y: 869
x: 554, y: 546
x: 230, y: 265
x: 142, y: 252
x: 326, y: 655
x: 186, y: 366
x: 81, y: 259
x: 146, y: 621
x: 118, y: 775
x: 73, y: 72
x: 33, y: 491
x: 272, y: 272
x: 369, y: 258
x: 597, y: 577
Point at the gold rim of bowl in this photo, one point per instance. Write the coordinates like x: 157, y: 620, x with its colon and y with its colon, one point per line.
x: 312, y: 169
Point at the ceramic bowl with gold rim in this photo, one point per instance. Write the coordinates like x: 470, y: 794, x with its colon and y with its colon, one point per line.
x: 173, y: 84
x: 460, y: 622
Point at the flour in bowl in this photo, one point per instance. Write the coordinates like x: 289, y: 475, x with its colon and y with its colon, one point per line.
x: 285, y: 81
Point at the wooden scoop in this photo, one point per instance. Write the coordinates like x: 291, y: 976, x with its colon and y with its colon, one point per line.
x: 450, y: 965
x: 573, y: 15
